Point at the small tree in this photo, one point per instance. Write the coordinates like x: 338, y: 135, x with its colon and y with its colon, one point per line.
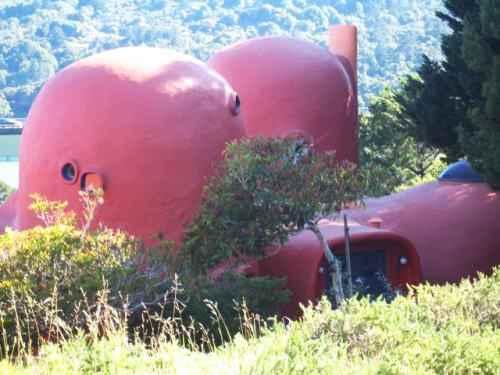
x: 265, y: 191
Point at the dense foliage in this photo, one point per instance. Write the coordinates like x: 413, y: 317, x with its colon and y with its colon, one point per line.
x: 391, y: 152
x: 438, y: 330
x: 455, y: 105
x: 53, y: 278
x: 39, y: 37
x: 265, y: 191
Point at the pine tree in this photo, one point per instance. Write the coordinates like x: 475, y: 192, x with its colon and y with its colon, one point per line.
x: 481, y: 51
x: 455, y: 104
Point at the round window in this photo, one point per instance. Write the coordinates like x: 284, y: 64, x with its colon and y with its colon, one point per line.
x: 69, y: 172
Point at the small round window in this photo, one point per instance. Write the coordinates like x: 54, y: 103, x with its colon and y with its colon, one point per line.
x: 69, y: 172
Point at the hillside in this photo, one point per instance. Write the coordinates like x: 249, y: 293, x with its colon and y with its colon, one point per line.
x: 39, y: 37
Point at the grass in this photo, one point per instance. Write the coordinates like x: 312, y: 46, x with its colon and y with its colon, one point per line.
x: 436, y: 330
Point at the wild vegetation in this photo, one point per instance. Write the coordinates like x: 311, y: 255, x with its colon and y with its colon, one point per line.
x: 436, y: 330
x: 56, y: 276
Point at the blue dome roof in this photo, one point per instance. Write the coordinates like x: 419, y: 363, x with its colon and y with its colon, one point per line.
x: 461, y: 171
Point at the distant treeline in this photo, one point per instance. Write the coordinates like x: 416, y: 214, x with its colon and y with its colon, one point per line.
x: 39, y: 37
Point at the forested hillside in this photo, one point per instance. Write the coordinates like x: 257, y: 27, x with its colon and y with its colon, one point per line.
x: 39, y: 37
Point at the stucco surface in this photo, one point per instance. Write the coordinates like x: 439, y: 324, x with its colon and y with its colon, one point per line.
x: 149, y: 122
x: 291, y: 87
x: 455, y: 227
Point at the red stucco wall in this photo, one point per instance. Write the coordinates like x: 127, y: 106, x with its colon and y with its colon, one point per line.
x: 455, y: 227
x: 150, y: 122
x: 293, y: 87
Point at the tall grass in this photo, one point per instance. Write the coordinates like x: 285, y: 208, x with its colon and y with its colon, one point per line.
x: 435, y: 330
x: 61, y: 312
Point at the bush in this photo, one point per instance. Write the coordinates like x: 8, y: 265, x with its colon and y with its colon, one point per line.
x: 265, y: 191
x: 207, y: 312
x: 54, y: 278
x: 50, y: 276
x: 5, y: 191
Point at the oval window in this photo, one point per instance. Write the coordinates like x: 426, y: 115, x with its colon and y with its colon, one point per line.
x: 69, y: 172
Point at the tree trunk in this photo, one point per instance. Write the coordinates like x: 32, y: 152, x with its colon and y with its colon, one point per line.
x: 334, y: 264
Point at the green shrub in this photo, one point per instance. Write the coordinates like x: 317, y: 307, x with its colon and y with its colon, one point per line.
x: 265, y: 191
x: 5, y: 191
x: 210, y: 312
x: 48, y: 274
x: 54, y: 278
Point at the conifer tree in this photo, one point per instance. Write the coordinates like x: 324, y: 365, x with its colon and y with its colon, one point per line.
x: 455, y: 104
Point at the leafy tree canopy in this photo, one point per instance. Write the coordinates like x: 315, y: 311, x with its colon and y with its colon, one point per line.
x: 390, y: 150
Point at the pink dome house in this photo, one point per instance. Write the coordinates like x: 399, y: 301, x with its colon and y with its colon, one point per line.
x: 146, y: 124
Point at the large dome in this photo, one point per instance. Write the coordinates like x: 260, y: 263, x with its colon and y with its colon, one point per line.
x: 293, y: 87
x: 149, y: 122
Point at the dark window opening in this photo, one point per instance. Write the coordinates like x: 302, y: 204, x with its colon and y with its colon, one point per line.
x: 68, y: 172
x: 369, y: 275
x: 236, y: 105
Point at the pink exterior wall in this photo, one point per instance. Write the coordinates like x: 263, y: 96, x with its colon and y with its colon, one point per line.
x: 149, y: 122
x: 455, y: 227
x: 292, y: 87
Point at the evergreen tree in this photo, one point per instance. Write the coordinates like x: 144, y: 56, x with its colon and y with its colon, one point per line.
x: 481, y: 50
x: 455, y: 104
